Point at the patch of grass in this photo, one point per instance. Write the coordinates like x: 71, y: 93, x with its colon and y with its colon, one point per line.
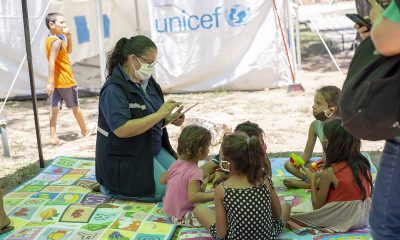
x: 20, y: 176
x: 308, y: 36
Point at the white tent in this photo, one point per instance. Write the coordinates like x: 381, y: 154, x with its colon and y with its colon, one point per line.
x: 203, y: 45
x: 81, y: 18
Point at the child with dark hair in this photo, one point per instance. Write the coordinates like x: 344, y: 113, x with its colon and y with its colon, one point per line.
x: 184, y: 177
x: 252, y: 129
x: 342, y: 198
x: 325, y: 107
x: 249, y: 128
x: 246, y: 205
x: 61, y: 83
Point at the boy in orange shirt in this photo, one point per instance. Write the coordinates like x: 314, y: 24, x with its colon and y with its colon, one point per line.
x: 61, y: 84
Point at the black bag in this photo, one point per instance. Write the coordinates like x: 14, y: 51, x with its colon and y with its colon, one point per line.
x: 370, y: 101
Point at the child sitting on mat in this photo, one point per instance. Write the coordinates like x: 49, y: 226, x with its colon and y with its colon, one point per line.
x: 246, y: 205
x: 325, y: 108
x: 184, y: 177
x: 251, y: 129
x: 342, y: 198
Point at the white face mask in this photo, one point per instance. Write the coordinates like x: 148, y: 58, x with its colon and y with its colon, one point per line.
x: 144, y: 73
x: 225, y: 165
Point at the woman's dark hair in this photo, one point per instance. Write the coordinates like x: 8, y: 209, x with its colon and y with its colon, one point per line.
x: 252, y: 129
x: 192, y: 139
x: 344, y: 147
x: 139, y: 45
x: 332, y: 96
x: 247, y: 154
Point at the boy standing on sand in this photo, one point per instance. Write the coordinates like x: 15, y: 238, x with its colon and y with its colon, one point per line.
x: 61, y: 84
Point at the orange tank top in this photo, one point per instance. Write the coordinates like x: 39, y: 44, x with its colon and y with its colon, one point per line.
x: 347, y: 188
x: 63, y: 76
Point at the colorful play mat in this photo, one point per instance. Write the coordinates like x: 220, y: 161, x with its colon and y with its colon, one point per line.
x: 58, y: 204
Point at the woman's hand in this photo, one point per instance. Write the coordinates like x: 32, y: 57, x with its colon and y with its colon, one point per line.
x: 178, y: 116
x: 364, y: 31
x: 179, y: 120
x: 166, y: 109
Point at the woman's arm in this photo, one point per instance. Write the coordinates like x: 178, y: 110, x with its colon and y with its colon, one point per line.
x: 195, y: 195
x: 385, y: 33
x: 275, y: 203
x: 311, y: 139
x: 319, y: 192
x: 138, y: 126
x: 221, y: 224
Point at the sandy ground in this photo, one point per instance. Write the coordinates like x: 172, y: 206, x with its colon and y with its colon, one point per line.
x: 285, y: 118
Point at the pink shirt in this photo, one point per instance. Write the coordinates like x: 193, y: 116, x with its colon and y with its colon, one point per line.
x: 180, y: 173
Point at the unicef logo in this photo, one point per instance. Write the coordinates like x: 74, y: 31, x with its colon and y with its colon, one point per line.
x: 237, y: 15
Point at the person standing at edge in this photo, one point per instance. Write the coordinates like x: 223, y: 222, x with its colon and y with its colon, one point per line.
x: 384, y: 218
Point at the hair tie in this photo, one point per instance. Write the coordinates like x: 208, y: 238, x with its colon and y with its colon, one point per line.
x: 248, y: 141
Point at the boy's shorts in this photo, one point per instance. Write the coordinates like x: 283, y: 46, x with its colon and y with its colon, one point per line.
x: 68, y: 95
x: 188, y: 220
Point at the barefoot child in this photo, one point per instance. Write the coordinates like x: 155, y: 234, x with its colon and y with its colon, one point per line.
x: 184, y: 177
x: 246, y: 205
x: 61, y: 84
x: 342, y: 198
x: 325, y: 108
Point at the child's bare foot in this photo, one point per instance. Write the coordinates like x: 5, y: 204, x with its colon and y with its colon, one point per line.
x: 286, y: 208
x: 56, y: 141
x: 89, y: 130
x: 5, y: 225
x: 295, y: 183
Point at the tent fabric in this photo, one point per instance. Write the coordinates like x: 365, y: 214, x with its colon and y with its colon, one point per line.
x: 218, y: 45
x: 245, y: 51
x: 81, y: 19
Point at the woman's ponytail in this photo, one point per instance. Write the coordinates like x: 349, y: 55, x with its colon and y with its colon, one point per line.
x: 116, y: 56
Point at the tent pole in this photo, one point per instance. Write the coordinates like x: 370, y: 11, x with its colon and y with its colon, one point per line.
x: 298, y: 48
x: 137, y: 16
x: 100, y: 31
x: 291, y: 39
x: 31, y: 78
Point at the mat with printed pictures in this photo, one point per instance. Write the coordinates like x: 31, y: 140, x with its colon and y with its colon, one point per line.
x: 295, y: 197
x: 58, y: 204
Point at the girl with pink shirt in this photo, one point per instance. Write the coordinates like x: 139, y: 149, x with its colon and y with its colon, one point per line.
x: 184, y: 178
